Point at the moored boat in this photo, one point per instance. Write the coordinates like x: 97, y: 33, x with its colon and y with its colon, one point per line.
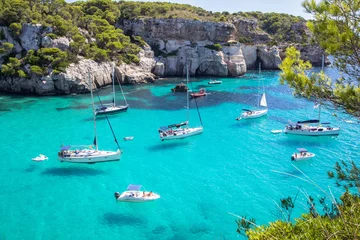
x: 134, y: 194
x: 302, y: 155
x: 201, y: 93
x: 40, y: 158
x: 214, y: 82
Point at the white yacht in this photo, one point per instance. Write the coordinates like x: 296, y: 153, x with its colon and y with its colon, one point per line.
x: 181, y: 130
x: 89, y: 154
x: 134, y: 194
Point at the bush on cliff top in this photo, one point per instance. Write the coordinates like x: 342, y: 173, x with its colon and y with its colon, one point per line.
x: 102, y: 43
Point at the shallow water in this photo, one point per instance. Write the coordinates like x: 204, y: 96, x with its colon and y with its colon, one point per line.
x: 230, y: 167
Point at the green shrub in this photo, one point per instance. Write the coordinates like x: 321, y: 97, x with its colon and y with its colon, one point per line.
x: 6, y: 47
x: 36, y: 70
x: 52, y: 35
x: 245, y: 40
x: 216, y: 47
x: 22, y: 74
x: 16, y: 28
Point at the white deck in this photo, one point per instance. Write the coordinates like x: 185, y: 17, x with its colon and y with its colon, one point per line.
x: 88, y: 156
x: 137, y: 196
x: 313, y: 131
x: 253, y: 114
x: 180, y: 133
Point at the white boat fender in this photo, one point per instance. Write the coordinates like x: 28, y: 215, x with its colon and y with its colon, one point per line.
x: 117, y: 195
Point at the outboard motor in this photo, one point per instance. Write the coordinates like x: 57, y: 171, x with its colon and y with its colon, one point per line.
x: 117, y: 195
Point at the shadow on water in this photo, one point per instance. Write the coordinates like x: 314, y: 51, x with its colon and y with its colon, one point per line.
x: 31, y: 168
x: 72, y: 171
x: 78, y: 107
x: 243, y: 123
x: 167, y: 145
x: 306, y: 141
x: 116, y: 219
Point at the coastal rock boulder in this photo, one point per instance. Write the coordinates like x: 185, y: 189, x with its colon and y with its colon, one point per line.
x: 180, y: 88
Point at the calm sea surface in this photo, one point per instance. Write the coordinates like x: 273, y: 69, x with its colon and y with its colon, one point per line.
x: 231, y: 167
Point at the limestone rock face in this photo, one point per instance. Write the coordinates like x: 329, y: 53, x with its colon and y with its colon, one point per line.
x: 250, y: 53
x: 270, y: 58
x: 159, y: 69
x: 62, y: 43
x: 31, y: 35
x: 179, y: 29
x: 33, y: 85
x: 203, y: 61
x: 248, y: 28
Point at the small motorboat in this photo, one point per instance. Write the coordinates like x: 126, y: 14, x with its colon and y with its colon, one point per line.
x: 215, y: 82
x: 276, y: 131
x: 201, y: 93
x: 40, y: 158
x: 249, y: 114
x: 302, y: 155
x: 128, y: 138
x: 134, y: 194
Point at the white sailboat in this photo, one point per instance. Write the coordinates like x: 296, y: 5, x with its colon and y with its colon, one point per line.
x: 308, y: 127
x: 88, y: 154
x: 109, y: 108
x: 181, y: 130
x: 248, y: 114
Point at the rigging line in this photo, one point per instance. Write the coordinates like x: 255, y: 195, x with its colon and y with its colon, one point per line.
x: 122, y: 92
x: 197, y: 108
x: 116, y: 141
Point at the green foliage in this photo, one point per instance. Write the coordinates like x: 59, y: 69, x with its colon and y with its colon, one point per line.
x: 11, y: 68
x: 16, y: 28
x: 216, y: 47
x: 336, y: 29
x: 36, y: 70
x: 6, y: 47
x: 245, y: 40
x: 340, y: 225
x: 52, y: 35
x: 294, y: 73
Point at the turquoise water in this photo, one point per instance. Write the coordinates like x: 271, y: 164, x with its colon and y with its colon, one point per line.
x: 231, y: 167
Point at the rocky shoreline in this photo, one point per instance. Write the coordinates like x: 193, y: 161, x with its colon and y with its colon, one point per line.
x: 210, y: 48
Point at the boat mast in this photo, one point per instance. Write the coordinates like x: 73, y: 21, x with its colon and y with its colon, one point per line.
x: 322, y: 71
x: 122, y: 92
x: 113, y: 84
x: 187, y: 92
x: 258, y: 102
x: 93, y: 111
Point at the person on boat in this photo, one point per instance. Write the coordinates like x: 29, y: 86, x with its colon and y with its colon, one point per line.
x: 144, y: 195
x: 150, y: 194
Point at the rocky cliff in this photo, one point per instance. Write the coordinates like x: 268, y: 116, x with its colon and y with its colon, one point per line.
x: 210, y: 48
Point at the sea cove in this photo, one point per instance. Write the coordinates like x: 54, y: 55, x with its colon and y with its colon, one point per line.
x: 230, y: 167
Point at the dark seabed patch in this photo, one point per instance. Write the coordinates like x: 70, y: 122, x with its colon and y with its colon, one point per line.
x: 116, y: 219
x: 161, y: 229
x: 72, y: 171
x: 78, y: 107
x: 165, y: 145
x: 199, y: 228
x: 5, y: 110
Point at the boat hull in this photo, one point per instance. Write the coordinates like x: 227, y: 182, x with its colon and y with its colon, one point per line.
x: 95, y: 157
x: 137, y: 197
x: 298, y: 157
x: 308, y: 132
x: 183, y: 133
x: 255, y: 114
x: 111, y: 110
